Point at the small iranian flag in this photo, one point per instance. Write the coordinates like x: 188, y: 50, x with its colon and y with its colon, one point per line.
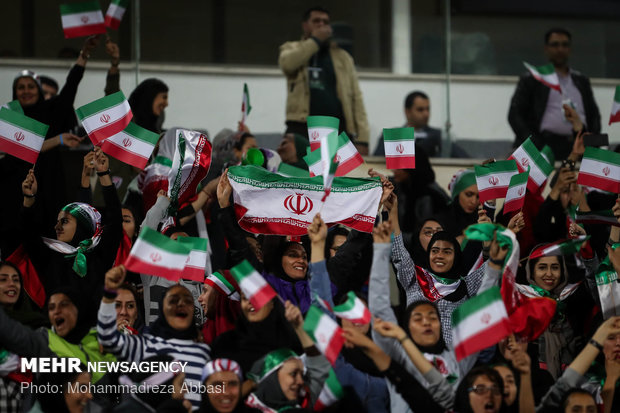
x: 325, y: 332
x: 81, y: 19
x: 156, y: 254
x: 493, y: 179
x: 600, y: 169
x: 15, y: 106
x: 115, y: 13
x: 562, y: 247
x: 245, y: 104
x: 319, y: 126
x: 252, y: 284
x: 479, y: 323
x: 515, y: 197
x: 353, y: 310
x: 615, y: 107
x: 527, y: 155
x: 399, y: 146
x: 20, y: 135
x: 597, y: 217
x: 347, y: 156
x: 134, y: 145
x: 545, y: 75
x: 105, y: 117
x: 223, y: 286
x: 329, y: 149
x: 290, y: 171
x: 195, y: 266
x: 332, y: 392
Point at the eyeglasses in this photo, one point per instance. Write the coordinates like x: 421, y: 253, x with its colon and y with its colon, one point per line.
x: 481, y: 389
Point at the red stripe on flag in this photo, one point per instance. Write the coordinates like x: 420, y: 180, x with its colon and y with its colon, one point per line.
x: 597, y: 181
x: 19, y: 151
x: 400, y: 162
x: 334, y: 346
x: 135, y: 264
x: 80, y: 31
x: 614, y: 118
x: 541, y: 80
x: 123, y: 155
x: 493, y: 193
x: 194, y: 274
x: 513, y: 205
x: 486, y: 338
x: 111, y: 22
x: 262, y: 296
x: 346, y: 167
x: 112, y: 129
x: 315, y: 145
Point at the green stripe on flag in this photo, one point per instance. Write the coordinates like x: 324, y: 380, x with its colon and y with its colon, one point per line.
x: 224, y: 281
x: 537, y: 157
x: 122, y: 3
x: 323, y: 121
x: 15, y: 106
x: 100, y: 105
x: 162, y: 160
x: 543, y: 70
x: 334, y: 385
x: 82, y: 7
x: 194, y: 243
x: 602, y: 155
x: 347, y: 305
x: 519, y: 179
x: 312, y: 157
x: 242, y: 270
x: 476, y: 303
x: 142, y: 134
x: 246, y: 93
x: 23, y: 122
x: 398, y: 134
x: 312, y: 320
x: 617, y: 94
x: 292, y: 171
x: 161, y: 241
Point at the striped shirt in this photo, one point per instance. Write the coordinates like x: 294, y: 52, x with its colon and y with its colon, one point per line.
x: 137, y: 348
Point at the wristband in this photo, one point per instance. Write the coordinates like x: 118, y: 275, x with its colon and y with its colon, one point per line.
x: 496, y: 262
x: 29, y: 196
x: 596, y: 344
x: 103, y: 173
x: 111, y: 294
x: 403, y: 339
x: 61, y: 141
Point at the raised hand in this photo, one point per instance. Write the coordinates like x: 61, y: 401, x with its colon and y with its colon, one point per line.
x: 293, y: 315
x: 389, y: 329
x: 381, y: 233
x: 115, y: 277
x: 102, y: 163
x: 317, y: 230
x: 224, y: 189
x: 516, y: 223
x: 29, y: 186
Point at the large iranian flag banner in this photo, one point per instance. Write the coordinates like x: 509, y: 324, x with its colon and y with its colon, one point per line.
x: 81, y: 19
x: 320, y: 126
x: 269, y: 203
x: 156, y: 254
x: 493, y: 179
x: 20, y: 135
x: 115, y: 13
x: 600, y: 169
x: 615, y: 107
x: 105, y: 117
x: 528, y: 156
x: 545, y: 75
x: 479, y: 323
x: 134, y: 145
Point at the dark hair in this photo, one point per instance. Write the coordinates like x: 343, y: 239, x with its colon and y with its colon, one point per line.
x: 241, y: 141
x: 21, y: 280
x: 440, y: 346
x: 575, y: 390
x: 309, y: 11
x: 329, y: 240
x: 558, y: 30
x: 461, y: 401
x: 45, y: 80
x: 412, y: 96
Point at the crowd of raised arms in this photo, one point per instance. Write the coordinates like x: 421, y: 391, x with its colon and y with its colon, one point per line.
x: 422, y: 272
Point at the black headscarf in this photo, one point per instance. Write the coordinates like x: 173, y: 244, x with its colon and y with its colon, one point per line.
x: 274, y: 248
x: 82, y: 326
x: 161, y: 328
x: 270, y: 392
x: 419, y: 254
x: 141, y: 102
x: 440, y: 345
x: 456, y: 271
x: 461, y: 401
x: 54, y: 402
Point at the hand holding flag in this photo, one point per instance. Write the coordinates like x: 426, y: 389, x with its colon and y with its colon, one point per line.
x: 493, y: 179
x: 325, y: 332
x: 245, y: 104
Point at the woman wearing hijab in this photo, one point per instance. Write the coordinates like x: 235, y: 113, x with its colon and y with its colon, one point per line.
x: 292, y: 150
x: 223, y: 377
x: 83, y: 248
x: 15, y: 300
x: 480, y: 392
x: 70, y: 336
x: 421, y: 238
x: 173, y: 333
x: 74, y: 396
x: 148, y: 101
x: 463, y: 210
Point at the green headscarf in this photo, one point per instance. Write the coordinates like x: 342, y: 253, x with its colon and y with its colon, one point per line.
x: 461, y: 180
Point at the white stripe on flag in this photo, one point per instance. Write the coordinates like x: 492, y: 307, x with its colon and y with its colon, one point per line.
x: 94, y: 122
x: 317, y: 133
x: 400, y: 148
x: 503, y: 180
x: 81, y: 19
x: 596, y: 167
x: 157, y: 256
x: 131, y: 144
x: 524, y: 160
x: 115, y: 11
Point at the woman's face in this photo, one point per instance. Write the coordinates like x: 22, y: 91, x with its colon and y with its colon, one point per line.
x: 424, y: 325
x: 291, y: 378
x: 441, y: 256
x: 487, y: 396
x: 10, y: 286
x: 160, y: 103
x: 580, y: 403
x: 511, y: 344
x: 295, y: 262
x: 224, y: 401
x: 547, y: 273
x: 468, y: 199
x: 77, y: 401
x: 253, y: 315
x: 510, y: 385
x: 27, y: 91
x: 206, y: 299
x: 129, y: 223
x: 336, y: 244
x: 287, y: 150
x: 427, y: 231
x: 65, y: 226
x: 611, y: 347
x: 179, y: 308
x: 249, y: 142
x: 62, y: 313
x: 126, y: 308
